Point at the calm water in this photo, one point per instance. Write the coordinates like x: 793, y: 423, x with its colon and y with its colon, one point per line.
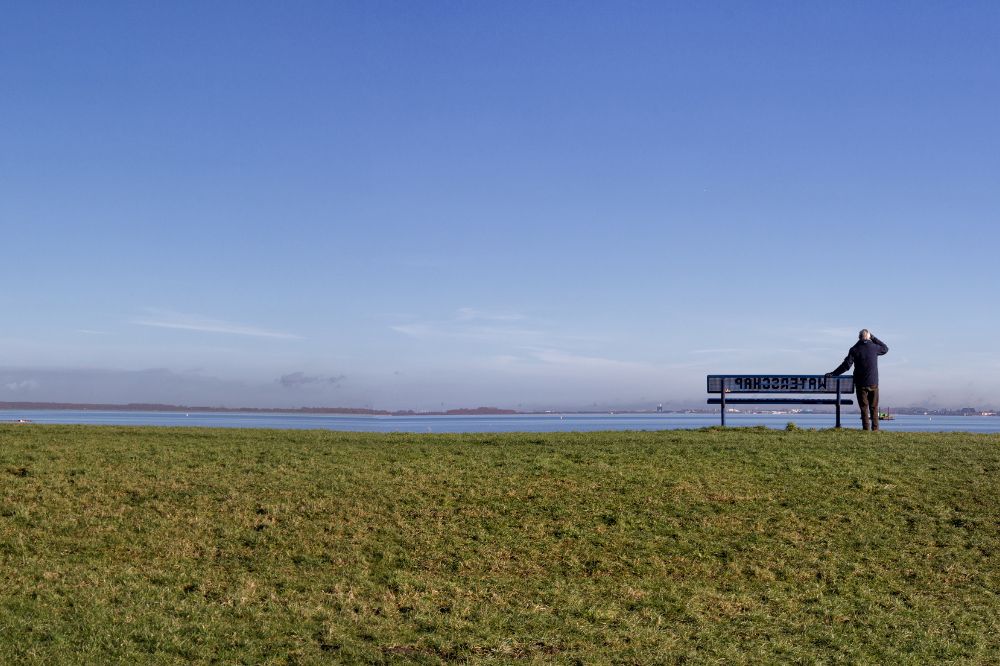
x: 505, y: 423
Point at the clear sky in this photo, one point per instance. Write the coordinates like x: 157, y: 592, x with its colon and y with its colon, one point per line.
x: 544, y: 205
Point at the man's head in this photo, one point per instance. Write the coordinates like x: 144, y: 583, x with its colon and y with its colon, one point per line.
x: 864, y: 334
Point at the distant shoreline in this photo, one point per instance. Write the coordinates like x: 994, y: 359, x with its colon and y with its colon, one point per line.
x: 465, y: 411
x: 356, y: 411
x: 159, y: 407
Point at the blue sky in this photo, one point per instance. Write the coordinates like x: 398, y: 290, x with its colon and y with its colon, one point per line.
x: 544, y: 205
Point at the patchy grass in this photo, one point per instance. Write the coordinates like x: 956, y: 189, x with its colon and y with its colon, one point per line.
x: 714, y: 546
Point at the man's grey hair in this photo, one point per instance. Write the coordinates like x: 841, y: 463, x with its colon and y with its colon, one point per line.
x: 864, y: 334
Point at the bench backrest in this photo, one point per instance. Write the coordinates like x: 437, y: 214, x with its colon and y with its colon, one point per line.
x: 780, y: 384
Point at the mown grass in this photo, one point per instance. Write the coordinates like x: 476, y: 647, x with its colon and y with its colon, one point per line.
x: 716, y: 546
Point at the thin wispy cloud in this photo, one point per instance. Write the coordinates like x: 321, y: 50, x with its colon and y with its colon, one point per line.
x: 569, y: 359
x: 546, y: 359
x: 189, y: 322
x: 763, y: 351
x: 414, y: 330
x: 299, y: 379
x: 474, y: 324
x: 585, y: 361
x: 21, y: 386
x: 492, y: 327
x: 449, y: 330
x: 837, y: 333
x: 467, y: 314
x: 831, y: 335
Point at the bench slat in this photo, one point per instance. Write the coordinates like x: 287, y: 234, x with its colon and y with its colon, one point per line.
x: 780, y: 401
x: 780, y: 384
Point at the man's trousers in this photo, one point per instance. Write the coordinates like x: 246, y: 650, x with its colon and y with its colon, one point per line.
x: 868, y: 403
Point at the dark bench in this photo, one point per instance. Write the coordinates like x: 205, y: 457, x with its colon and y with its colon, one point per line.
x: 769, y: 385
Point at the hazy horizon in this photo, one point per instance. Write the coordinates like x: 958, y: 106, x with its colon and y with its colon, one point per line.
x: 304, y: 391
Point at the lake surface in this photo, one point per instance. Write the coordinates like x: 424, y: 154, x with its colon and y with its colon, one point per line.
x: 501, y: 423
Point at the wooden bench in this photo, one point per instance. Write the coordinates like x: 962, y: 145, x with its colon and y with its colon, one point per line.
x: 769, y: 385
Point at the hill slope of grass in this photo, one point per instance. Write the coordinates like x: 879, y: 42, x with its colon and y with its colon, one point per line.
x: 735, y: 546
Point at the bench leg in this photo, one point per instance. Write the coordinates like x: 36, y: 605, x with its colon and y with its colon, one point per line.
x: 838, y: 404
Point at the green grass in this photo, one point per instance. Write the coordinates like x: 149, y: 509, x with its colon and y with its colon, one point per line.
x: 154, y: 545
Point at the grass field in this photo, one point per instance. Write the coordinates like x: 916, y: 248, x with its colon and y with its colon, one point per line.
x: 714, y: 546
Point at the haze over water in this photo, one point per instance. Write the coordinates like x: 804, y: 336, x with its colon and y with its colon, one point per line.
x: 500, y: 423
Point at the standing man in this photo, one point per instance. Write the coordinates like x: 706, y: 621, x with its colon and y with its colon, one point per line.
x: 864, y: 357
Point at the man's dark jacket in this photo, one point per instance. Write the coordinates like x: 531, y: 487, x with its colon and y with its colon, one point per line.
x: 864, y: 357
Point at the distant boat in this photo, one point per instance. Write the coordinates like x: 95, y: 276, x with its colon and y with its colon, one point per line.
x: 885, y: 416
